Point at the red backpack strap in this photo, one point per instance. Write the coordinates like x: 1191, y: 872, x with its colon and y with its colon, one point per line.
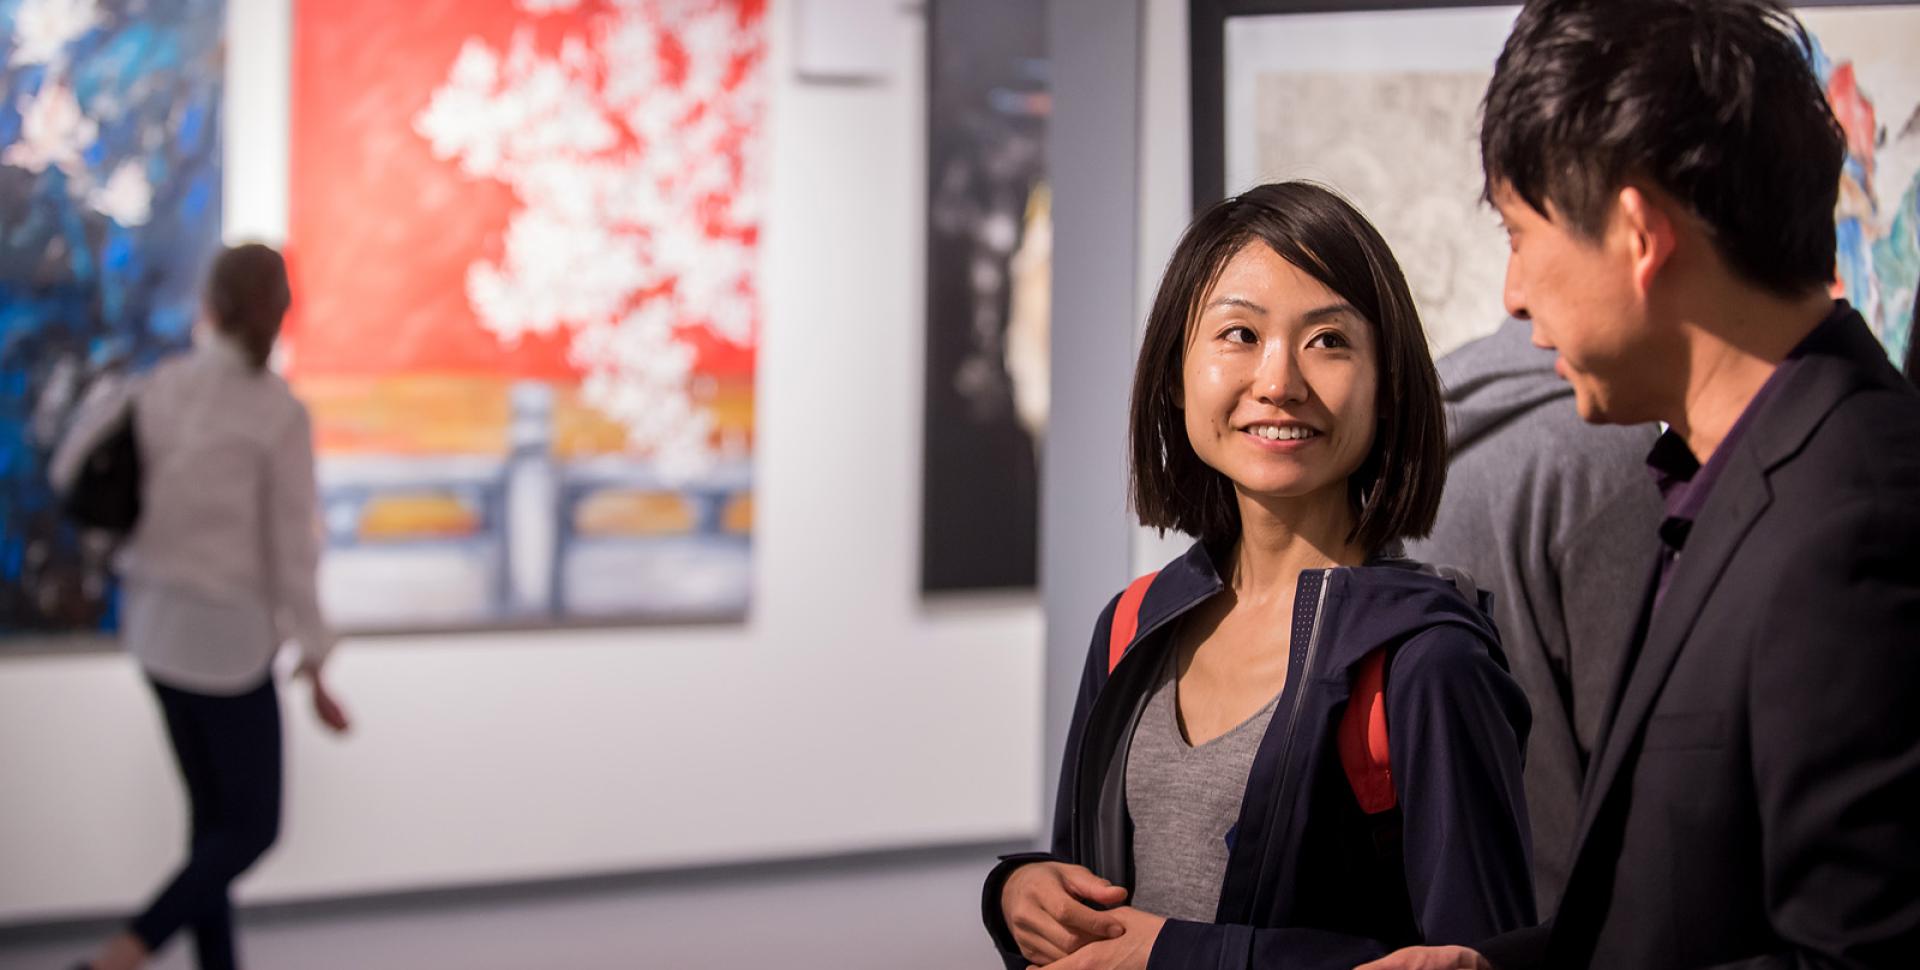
x: 1363, y: 736
x: 1126, y: 619
x: 1364, y: 754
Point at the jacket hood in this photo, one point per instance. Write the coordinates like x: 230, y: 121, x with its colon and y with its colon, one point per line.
x: 1493, y: 380
x: 1389, y: 600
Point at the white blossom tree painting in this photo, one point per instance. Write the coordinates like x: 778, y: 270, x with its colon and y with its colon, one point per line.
x: 524, y: 239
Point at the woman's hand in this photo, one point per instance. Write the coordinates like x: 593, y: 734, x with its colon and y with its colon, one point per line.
x: 1128, y: 951
x: 325, y: 707
x: 1045, y: 905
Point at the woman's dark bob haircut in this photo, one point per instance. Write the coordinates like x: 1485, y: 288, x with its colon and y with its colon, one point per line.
x: 1395, y: 493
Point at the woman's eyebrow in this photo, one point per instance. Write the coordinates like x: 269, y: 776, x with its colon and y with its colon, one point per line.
x: 1237, y: 301
x: 1317, y: 314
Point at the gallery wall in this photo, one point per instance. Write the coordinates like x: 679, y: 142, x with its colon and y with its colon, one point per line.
x: 846, y: 714
x: 1166, y: 204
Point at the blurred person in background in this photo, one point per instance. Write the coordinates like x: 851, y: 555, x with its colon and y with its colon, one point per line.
x: 217, y: 573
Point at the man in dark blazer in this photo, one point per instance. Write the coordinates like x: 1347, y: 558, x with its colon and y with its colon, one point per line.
x: 1667, y: 170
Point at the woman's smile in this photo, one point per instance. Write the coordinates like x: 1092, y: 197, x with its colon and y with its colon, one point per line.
x: 1282, y: 437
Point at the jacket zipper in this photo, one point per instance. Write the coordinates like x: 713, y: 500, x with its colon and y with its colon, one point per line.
x: 1313, y: 644
x: 1284, y: 799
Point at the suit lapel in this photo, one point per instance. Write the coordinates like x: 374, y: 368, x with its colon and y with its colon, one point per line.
x: 1739, y: 497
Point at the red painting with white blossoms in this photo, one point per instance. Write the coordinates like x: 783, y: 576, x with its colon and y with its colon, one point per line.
x: 524, y: 241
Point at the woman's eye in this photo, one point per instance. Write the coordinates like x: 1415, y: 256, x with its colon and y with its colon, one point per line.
x: 1239, y: 335
x: 1331, y: 339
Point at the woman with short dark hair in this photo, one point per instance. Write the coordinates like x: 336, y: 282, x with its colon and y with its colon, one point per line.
x: 218, y: 572
x: 1291, y: 746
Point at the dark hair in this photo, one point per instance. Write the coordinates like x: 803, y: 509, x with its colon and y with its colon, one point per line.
x: 247, y: 296
x: 1713, y: 101
x: 1395, y: 493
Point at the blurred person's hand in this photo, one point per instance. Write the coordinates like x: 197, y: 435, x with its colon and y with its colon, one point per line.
x: 325, y: 706
x: 1128, y: 951
x: 1045, y: 905
x: 1430, y: 958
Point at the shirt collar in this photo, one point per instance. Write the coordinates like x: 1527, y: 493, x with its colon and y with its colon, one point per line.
x: 1684, y: 482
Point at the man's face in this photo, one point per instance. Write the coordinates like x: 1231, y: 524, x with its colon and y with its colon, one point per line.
x: 1580, y: 295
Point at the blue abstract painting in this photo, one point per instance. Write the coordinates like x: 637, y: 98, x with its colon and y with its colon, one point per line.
x: 110, y: 158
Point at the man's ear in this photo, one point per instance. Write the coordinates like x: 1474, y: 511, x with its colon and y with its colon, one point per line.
x: 1648, y: 234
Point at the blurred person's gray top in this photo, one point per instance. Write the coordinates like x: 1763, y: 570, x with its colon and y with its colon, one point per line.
x: 1559, y: 519
x: 221, y: 568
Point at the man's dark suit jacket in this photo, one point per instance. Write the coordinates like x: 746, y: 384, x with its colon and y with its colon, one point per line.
x: 1756, y: 800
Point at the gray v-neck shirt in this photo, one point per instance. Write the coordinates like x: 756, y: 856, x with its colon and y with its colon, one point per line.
x: 1183, y: 801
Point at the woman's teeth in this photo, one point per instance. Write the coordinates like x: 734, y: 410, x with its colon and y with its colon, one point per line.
x: 1272, y: 433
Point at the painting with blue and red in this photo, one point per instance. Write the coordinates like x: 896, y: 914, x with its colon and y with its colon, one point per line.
x: 110, y: 166
x: 1864, y: 58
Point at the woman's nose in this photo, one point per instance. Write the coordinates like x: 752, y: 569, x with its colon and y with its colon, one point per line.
x: 1278, y: 380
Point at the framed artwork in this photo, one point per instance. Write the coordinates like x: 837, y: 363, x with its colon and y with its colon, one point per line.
x: 989, y: 257
x: 1381, y: 101
x: 1864, y: 56
x: 110, y: 169
x: 524, y: 238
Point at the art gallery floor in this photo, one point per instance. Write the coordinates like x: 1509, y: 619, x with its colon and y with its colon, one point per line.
x: 918, y: 909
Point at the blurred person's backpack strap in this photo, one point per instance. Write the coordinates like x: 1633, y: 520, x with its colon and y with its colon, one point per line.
x: 95, y: 472
x: 106, y: 493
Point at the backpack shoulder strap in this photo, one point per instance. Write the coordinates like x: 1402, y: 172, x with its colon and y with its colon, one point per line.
x: 1126, y: 619
x: 1364, y: 752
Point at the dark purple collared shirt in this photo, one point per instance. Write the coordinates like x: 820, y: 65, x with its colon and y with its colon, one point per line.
x: 1685, y: 484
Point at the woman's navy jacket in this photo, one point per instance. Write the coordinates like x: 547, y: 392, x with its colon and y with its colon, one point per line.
x: 1311, y: 880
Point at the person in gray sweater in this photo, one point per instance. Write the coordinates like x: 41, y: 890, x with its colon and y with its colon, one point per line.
x: 1560, y: 520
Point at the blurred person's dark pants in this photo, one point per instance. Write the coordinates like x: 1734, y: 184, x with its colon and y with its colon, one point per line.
x: 229, y: 753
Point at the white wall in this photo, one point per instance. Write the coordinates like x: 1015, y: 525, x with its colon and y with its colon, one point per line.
x: 1166, y: 197
x: 1093, y: 141
x: 845, y: 715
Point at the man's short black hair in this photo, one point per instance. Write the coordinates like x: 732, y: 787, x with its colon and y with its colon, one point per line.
x: 1714, y: 102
